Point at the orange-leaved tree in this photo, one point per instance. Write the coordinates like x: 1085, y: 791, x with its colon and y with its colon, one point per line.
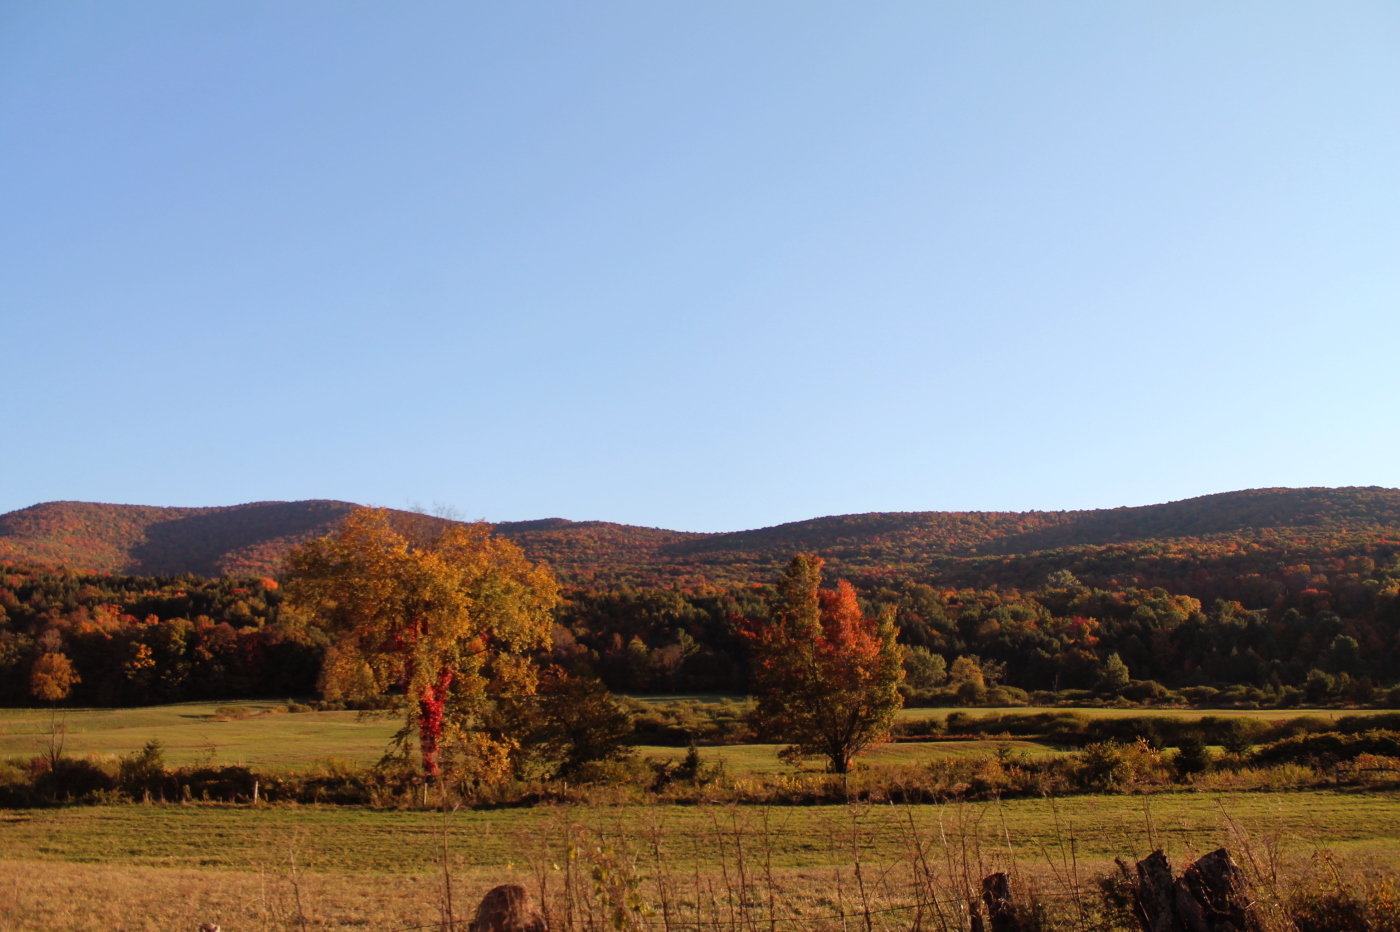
x: 826, y: 677
x: 53, y: 677
x: 444, y: 613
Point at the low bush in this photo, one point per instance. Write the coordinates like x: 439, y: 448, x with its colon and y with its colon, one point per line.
x: 1328, y: 748
x: 69, y: 779
x: 1192, y: 757
x: 1111, y: 767
x: 685, y: 722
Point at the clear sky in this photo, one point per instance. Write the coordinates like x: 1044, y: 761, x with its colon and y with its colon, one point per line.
x: 700, y: 265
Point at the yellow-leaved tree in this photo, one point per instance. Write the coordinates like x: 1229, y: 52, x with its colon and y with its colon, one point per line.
x: 53, y: 677
x: 444, y: 614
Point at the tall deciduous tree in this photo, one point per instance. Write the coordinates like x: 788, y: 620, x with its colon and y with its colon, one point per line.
x: 443, y: 613
x: 53, y: 677
x: 825, y: 675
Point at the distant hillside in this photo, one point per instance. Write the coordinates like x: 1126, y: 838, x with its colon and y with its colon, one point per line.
x: 246, y: 539
x: 1255, y: 531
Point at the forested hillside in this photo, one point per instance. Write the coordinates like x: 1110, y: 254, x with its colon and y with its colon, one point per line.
x: 138, y: 539
x: 1268, y: 596
x: 1255, y: 532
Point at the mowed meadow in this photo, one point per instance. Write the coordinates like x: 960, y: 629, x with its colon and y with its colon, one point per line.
x: 869, y: 865
x: 164, y: 866
x: 262, y: 734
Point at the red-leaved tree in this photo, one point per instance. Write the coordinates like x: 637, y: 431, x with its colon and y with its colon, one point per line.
x: 826, y: 677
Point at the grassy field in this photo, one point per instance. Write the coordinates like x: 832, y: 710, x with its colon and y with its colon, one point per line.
x: 940, y: 712
x: 355, y: 840
x: 305, y: 868
x: 191, y: 732
x: 171, y: 866
x: 763, y: 758
x: 272, y: 739
x: 1268, y: 715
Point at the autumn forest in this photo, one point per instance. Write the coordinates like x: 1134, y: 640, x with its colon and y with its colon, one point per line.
x: 1253, y: 599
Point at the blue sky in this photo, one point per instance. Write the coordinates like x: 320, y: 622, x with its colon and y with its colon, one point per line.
x: 706, y: 266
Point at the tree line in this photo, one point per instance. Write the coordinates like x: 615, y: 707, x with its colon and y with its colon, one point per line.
x: 1330, y: 634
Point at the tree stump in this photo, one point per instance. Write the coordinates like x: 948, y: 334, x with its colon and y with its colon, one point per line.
x: 996, y: 893
x: 1209, y: 896
x: 1001, y: 912
x: 1214, y: 887
x: 507, y: 908
x: 1156, y: 896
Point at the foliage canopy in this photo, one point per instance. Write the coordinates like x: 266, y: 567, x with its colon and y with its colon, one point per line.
x: 825, y: 675
x: 442, y: 614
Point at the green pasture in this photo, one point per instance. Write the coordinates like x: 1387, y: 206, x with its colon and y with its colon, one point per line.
x: 976, y: 712
x: 191, y: 732
x: 272, y: 739
x: 1268, y: 715
x: 1093, y: 829
x: 763, y: 758
x: 670, y: 698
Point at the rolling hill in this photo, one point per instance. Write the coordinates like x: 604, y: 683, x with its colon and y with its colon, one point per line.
x: 1268, y: 528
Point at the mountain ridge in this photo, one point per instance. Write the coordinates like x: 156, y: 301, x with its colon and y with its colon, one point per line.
x: 252, y: 538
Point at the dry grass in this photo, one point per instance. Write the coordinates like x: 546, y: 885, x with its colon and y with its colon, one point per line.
x: 100, y: 898
x: 857, y: 868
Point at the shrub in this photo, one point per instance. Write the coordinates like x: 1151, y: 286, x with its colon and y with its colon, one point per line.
x: 1192, y: 757
x: 1006, y: 696
x: 971, y: 693
x: 217, y: 782
x: 66, y: 779
x: 1108, y: 766
x: 1329, y: 747
x: 921, y: 727
x: 143, y: 771
x: 1144, y: 691
x: 1355, y: 724
x: 615, y: 772
x: 16, y: 791
x: 680, y: 723
x: 1340, y: 907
